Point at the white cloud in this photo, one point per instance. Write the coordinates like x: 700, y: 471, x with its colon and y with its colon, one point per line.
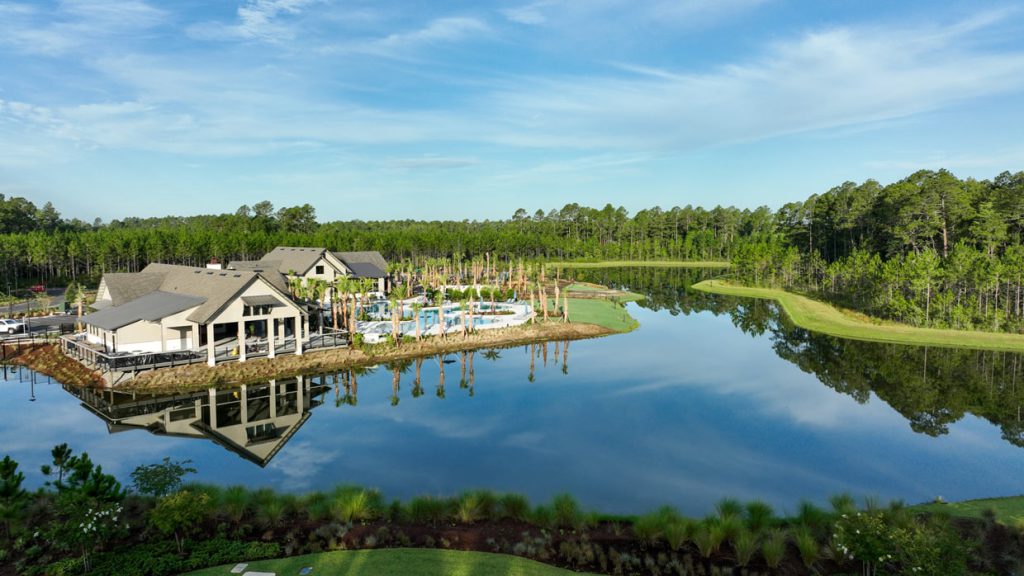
x: 675, y: 13
x: 432, y: 162
x: 75, y: 24
x: 824, y: 79
x: 260, y: 20
x: 404, y: 44
x: 532, y: 14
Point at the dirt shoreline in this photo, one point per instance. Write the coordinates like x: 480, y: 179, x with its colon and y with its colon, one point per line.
x: 200, y: 376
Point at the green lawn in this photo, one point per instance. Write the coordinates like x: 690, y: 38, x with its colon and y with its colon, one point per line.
x: 628, y: 263
x: 405, y: 561
x: 821, y: 317
x: 1009, y: 510
x: 585, y: 287
x: 603, y: 313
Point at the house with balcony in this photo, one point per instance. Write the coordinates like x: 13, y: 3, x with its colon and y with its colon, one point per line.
x: 181, y: 312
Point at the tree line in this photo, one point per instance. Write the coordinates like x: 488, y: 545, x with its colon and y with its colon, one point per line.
x: 930, y: 249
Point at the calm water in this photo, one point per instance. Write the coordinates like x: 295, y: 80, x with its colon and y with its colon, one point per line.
x: 711, y: 397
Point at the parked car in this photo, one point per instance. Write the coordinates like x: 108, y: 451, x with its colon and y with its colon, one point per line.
x: 38, y: 288
x: 8, y: 326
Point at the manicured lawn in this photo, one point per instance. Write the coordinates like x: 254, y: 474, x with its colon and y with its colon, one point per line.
x: 405, y: 561
x: 628, y: 263
x: 603, y: 313
x: 585, y: 287
x: 821, y: 317
x: 1008, y: 510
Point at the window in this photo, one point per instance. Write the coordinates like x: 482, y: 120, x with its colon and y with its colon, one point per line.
x: 320, y: 269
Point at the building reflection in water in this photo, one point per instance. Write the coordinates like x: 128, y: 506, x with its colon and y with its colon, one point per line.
x: 253, y: 421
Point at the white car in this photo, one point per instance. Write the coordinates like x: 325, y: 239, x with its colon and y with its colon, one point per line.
x: 11, y: 326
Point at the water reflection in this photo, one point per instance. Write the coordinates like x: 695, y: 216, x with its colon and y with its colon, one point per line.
x: 254, y: 422
x: 930, y: 387
x: 710, y: 397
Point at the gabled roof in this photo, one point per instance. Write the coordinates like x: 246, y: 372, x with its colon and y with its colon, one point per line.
x: 291, y: 258
x: 150, y: 307
x: 127, y: 286
x: 217, y: 287
x: 206, y: 290
x: 365, y: 270
x: 365, y: 257
x: 267, y: 269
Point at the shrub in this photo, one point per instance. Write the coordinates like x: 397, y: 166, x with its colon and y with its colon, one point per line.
x: 542, y: 516
x: 745, y: 546
x: 514, y: 506
x: 813, y: 517
x: 708, y: 536
x: 566, y: 512
x: 354, y: 504
x: 758, y: 515
x: 843, y: 504
x: 774, y: 547
x: 729, y: 507
x: 317, y: 506
x: 807, y: 545
x: 469, y: 509
x: 677, y: 532
x: 234, y: 502
x: 428, y: 510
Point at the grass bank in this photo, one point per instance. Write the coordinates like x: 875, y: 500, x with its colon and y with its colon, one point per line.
x: 406, y: 561
x: 198, y: 376
x: 826, y: 319
x: 644, y: 263
x: 603, y: 312
x: 1009, y: 510
x: 48, y: 359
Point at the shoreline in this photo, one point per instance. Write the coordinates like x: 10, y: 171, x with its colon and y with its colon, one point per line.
x: 823, y: 318
x: 641, y: 263
x: 200, y: 376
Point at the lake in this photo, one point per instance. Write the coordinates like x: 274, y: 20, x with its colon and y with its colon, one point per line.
x: 711, y: 397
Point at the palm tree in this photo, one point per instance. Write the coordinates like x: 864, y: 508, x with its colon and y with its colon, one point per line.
x: 416, y: 308
x: 462, y: 369
x: 492, y: 354
x: 440, y: 377
x: 76, y: 295
x: 462, y: 309
x: 417, y: 386
x: 472, y: 373
x: 565, y: 357
x: 317, y: 287
x: 439, y: 300
x: 393, y: 302
x: 533, y: 363
x: 396, y: 376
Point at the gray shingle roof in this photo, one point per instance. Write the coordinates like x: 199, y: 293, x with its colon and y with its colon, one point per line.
x: 209, y: 290
x: 365, y: 257
x: 294, y: 258
x: 149, y: 307
x: 127, y: 286
x: 365, y: 270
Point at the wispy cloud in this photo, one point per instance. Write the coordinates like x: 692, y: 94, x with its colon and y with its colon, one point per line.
x: 403, y: 44
x: 261, y: 20
x: 74, y: 24
x: 674, y: 13
x: 823, y: 79
x: 431, y: 162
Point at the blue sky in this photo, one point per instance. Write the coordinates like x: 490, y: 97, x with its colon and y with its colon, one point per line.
x: 382, y: 110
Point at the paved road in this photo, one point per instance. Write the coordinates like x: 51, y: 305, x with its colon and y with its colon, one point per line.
x: 56, y: 299
x: 42, y: 324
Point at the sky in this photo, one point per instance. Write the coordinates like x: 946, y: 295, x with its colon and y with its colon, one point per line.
x: 470, y: 110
